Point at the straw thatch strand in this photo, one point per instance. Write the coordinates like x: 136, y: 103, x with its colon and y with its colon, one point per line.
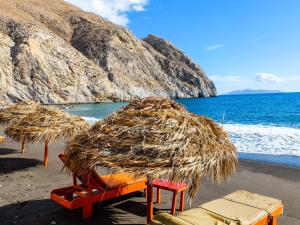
x: 46, y: 124
x: 16, y: 111
x: 157, y: 138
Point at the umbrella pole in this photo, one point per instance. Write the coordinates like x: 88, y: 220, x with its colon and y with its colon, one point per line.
x: 46, y: 154
x: 23, y: 145
x: 149, y: 201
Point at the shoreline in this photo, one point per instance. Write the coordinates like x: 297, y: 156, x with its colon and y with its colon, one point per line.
x: 261, y: 162
x: 113, y: 101
x: 284, y: 161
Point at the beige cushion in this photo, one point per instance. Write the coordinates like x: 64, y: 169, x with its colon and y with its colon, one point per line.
x: 155, y: 222
x: 198, y: 216
x: 237, y: 208
x: 260, y: 201
x: 241, y: 206
x: 231, y: 212
x: 195, y: 216
x: 167, y: 219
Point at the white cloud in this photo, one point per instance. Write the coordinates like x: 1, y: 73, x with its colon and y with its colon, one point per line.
x: 214, y: 47
x: 227, y: 78
x: 112, y: 10
x: 267, y: 77
x: 285, y: 83
x: 292, y: 78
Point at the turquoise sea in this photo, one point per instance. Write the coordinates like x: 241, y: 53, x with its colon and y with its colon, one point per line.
x: 264, y: 127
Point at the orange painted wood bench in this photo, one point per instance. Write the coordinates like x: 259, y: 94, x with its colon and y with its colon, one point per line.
x: 2, y: 139
x: 94, y: 188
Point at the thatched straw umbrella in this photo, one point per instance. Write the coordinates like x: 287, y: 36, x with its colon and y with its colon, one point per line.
x: 16, y: 112
x: 47, y: 124
x: 156, y: 138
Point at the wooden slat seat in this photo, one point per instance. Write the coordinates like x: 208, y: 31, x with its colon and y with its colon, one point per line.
x: 95, y: 188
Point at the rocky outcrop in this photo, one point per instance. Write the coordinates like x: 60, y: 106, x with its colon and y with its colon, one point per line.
x: 188, y: 77
x: 53, y: 52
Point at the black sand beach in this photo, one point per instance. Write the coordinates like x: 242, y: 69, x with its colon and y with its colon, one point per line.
x: 25, y: 186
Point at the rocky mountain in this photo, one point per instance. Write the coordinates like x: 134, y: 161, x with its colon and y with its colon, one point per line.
x: 52, y: 52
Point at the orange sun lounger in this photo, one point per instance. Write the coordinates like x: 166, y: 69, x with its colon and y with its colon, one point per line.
x: 2, y: 139
x: 95, y: 188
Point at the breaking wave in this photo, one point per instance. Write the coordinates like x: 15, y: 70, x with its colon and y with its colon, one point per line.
x: 90, y: 120
x: 265, y: 139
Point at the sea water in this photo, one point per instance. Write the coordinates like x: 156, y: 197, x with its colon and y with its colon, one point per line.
x: 262, y: 126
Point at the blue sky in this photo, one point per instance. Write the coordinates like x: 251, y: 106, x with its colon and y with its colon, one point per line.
x: 238, y: 43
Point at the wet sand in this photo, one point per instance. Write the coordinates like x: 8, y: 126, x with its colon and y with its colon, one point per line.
x: 25, y: 186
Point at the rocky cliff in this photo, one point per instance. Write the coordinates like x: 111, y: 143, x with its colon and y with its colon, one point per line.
x: 52, y: 52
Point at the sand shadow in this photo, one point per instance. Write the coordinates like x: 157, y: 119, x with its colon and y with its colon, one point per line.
x: 8, y: 151
x: 138, y: 208
x: 44, y: 212
x: 8, y: 165
x: 133, y: 207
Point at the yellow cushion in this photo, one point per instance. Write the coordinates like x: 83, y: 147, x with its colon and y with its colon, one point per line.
x: 237, y: 208
x: 2, y: 139
x: 242, y: 206
x: 195, y: 216
x: 231, y: 212
x: 198, y: 216
x: 154, y: 222
x: 167, y: 219
x: 259, y: 201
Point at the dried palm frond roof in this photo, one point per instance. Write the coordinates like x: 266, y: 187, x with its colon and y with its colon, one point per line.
x: 46, y: 124
x: 157, y: 138
x: 17, y: 111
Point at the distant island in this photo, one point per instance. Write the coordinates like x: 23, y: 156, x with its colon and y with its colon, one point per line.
x: 251, y: 92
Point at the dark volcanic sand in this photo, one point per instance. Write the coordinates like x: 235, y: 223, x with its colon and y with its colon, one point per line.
x: 25, y: 186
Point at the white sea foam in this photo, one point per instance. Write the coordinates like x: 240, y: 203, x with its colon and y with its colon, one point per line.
x: 90, y: 120
x: 258, y: 138
x: 265, y: 139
